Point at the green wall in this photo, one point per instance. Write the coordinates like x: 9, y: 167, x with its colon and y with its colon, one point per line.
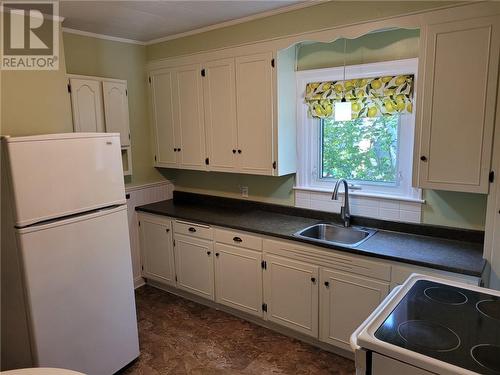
x: 105, y: 58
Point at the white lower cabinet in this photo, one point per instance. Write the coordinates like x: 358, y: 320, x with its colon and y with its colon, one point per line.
x: 291, y: 294
x: 194, y: 265
x: 238, y: 278
x: 346, y: 301
x: 157, y: 249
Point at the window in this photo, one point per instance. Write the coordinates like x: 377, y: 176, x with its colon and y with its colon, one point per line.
x: 373, y: 153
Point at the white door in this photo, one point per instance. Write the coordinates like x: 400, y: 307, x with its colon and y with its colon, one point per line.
x: 157, y: 249
x: 115, y: 97
x: 346, y: 301
x: 188, y: 110
x: 291, y: 294
x: 162, y: 103
x: 57, y: 175
x: 80, y: 293
x: 194, y: 265
x: 457, y: 111
x: 254, y: 103
x: 86, y: 103
x: 219, y: 93
x: 238, y: 278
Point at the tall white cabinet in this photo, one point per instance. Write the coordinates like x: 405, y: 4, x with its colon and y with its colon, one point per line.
x: 457, y: 88
x: 220, y: 113
x: 101, y: 105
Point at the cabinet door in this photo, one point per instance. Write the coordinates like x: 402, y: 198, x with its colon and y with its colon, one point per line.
x: 157, y: 250
x: 194, y: 265
x: 162, y: 103
x: 254, y: 103
x: 219, y: 95
x: 115, y: 97
x: 345, y: 302
x: 238, y: 278
x: 86, y: 103
x: 459, y: 72
x: 291, y: 294
x: 188, y: 110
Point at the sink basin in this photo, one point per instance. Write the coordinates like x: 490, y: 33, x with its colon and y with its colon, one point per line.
x: 336, y: 234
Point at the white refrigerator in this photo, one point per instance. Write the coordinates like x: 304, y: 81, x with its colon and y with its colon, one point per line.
x: 71, y: 241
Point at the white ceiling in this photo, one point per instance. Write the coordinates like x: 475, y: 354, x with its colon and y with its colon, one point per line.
x: 148, y: 20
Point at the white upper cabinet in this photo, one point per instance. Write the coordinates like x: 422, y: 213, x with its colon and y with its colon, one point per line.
x: 458, y: 76
x: 224, y: 112
x: 188, y: 112
x: 162, y: 98
x: 219, y: 93
x: 254, y: 93
x: 115, y: 97
x: 86, y: 103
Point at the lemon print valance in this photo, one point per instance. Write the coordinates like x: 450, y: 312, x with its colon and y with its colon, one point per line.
x: 370, y: 97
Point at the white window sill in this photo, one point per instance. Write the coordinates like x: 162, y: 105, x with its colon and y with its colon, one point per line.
x: 362, y: 194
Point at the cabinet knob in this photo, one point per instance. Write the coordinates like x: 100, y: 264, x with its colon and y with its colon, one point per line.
x: 209, y: 252
x: 192, y: 230
x: 167, y: 230
x: 423, y: 158
x: 237, y: 239
x: 234, y: 151
x: 327, y: 284
x: 178, y: 149
x: 313, y: 280
x: 239, y: 151
x: 217, y: 255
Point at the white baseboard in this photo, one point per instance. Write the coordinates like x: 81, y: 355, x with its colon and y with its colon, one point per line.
x: 138, y: 282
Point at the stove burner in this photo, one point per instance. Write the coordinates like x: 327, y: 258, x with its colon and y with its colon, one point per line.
x: 445, y: 295
x: 490, y: 308
x: 487, y: 356
x: 428, y: 335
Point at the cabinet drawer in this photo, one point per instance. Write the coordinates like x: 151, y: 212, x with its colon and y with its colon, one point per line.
x: 238, y: 239
x: 194, y: 230
x: 329, y: 258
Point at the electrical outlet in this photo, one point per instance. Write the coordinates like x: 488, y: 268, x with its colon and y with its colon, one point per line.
x: 244, y: 191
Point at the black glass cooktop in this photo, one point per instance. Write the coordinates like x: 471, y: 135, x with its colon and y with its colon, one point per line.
x: 453, y: 325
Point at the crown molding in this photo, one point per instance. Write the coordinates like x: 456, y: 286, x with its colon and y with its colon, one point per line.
x: 237, y: 21
x: 102, y: 36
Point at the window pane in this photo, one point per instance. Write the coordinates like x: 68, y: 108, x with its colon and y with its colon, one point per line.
x: 364, y: 149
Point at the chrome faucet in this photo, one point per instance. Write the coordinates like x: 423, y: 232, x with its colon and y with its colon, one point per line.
x: 345, y: 213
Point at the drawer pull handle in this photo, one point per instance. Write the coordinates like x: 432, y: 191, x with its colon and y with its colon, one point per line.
x: 237, y: 239
x: 327, y: 284
x: 313, y: 280
x: 192, y: 230
x: 209, y: 252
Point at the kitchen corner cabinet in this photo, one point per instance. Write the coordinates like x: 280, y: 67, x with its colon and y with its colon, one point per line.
x: 157, y: 249
x: 101, y: 105
x: 238, y: 278
x: 228, y: 110
x: 291, y: 294
x: 345, y: 302
x: 458, y: 76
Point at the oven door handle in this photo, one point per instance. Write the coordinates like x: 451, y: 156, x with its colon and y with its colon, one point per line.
x: 354, y: 337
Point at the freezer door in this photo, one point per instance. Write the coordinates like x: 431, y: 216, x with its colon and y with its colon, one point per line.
x: 63, y: 174
x: 80, y: 295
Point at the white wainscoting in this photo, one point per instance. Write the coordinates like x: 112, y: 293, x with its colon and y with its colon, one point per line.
x: 378, y: 208
x: 138, y: 196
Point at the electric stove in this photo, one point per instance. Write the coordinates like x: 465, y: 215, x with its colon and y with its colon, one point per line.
x: 437, y: 325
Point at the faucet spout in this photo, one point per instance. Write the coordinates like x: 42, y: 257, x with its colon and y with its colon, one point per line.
x: 345, y: 213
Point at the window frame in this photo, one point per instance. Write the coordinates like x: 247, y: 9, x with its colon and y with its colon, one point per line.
x: 309, y: 132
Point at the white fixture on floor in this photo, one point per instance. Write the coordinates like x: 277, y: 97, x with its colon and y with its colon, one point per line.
x: 75, y: 308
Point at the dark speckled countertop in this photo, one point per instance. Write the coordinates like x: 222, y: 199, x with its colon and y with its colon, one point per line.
x: 445, y: 248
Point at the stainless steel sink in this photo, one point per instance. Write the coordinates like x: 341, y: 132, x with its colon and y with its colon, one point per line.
x: 336, y: 234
